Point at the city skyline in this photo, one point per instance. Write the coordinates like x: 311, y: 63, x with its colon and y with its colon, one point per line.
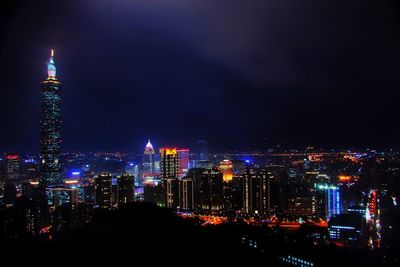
x: 215, y: 131
x: 330, y: 91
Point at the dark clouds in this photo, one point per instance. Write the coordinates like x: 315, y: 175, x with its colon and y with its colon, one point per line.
x: 239, y: 73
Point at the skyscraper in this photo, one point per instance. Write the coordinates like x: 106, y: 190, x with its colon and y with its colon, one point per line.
x: 183, y: 154
x: 256, y: 191
x: 169, y: 164
x: 103, y: 187
x: 125, y: 185
x: 208, y: 189
x: 186, y: 194
x: 12, y: 166
x: 148, y: 160
x: 50, y: 128
x: 171, y: 192
x: 226, y: 167
x: 329, y: 200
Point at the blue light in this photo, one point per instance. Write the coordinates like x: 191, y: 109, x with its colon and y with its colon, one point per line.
x: 76, y: 173
x: 247, y: 161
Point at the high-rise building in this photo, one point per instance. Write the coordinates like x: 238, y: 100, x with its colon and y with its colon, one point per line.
x: 50, y: 128
x: 226, y: 167
x: 329, y: 201
x: 183, y: 154
x: 302, y: 200
x: 125, y: 185
x: 133, y: 169
x: 233, y: 195
x: 208, y: 189
x: 202, y: 150
x: 171, y: 192
x: 277, y: 182
x: 148, y: 160
x: 154, y: 192
x: 169, y: 163
x: 186, y: 194
x: 103, y: 188
x: 256, y: 191
x: 12, y: 166
x: 31, y: 170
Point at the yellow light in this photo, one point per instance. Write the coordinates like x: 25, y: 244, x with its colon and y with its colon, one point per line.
x: 344, y: 178
x: 71, y: 181
x: 34, y: 182
x: 168, y: 151
x: 226, y: 167
x: 52, y: 52
x: 227, y: 176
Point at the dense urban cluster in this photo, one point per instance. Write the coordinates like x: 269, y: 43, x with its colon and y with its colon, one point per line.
x: 337, y: 198
x: 350, y: 198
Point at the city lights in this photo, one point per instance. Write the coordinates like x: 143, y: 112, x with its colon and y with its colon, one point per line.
x: 200, y: 132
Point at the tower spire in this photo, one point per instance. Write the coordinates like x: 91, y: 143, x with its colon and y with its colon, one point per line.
x: 51, y: 67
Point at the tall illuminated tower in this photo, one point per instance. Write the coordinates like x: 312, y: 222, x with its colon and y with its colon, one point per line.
x: 50, y: 128
x: 148, y: 160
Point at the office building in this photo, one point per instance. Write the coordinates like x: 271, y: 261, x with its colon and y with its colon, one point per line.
x: 208, y: 189
x: 256, y: 191
x: 186, y: 194
x: 154, y: 193
x: 171, y: 192
x: 12, y: 166
x: 183, y: 155
x: 50, y: 128
x: 226, y: 167
x: 125, y: 188
x: 329, y: 200
x: 148, y: 160
x: 103, y: 190
x: 169, y: 163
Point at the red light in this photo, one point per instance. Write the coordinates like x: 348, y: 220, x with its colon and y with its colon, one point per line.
x: 12, y: 157
x: 45, y: 230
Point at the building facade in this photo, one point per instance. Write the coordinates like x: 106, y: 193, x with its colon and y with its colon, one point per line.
x: 50, y: 128
x: 169, y: 163
x: 125, y: 188
x: 103, y: 189
x: 148, y: 160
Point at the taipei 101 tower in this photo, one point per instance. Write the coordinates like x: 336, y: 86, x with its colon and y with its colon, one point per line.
x: 50, y: 128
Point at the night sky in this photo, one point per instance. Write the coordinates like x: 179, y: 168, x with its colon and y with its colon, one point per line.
x: 240, y: 73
